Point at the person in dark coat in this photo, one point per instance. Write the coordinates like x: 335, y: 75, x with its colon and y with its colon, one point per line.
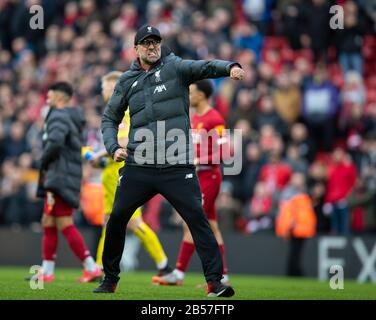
x: 60, y: 181
x: 156, y: 91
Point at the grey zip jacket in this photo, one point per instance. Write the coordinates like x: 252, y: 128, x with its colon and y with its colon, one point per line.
x: 158, y: 102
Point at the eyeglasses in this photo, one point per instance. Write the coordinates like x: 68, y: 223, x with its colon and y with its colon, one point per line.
x: 146, y: 43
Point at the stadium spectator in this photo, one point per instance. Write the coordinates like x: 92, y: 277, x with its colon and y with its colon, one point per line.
x: 304, y: 68
x: 317, y: 193
x: 287, y: 99
x: 349, y: 40
x: 258, y: 210
x: 355, y: 127
x: 361, y: 206
x: 254, y: 162
x: 320, y: 107
x: 317, y: 176
x: 267, y: 115
x: 275, y: 173
x: 247, y: 135
x: 217, y: 38
x: 340, y: 183
x: 353, y: 91
x: 296, y: 221
x: 292, y: 22
x: 370, y: 8
x: 2, y: 144
x: 259, y: 12
x: 15, y: 143
x: 299, y: 137
x: 294, y: 160
x: 266, y: 78
x: 13, y: 195
x: 244, y: 109
x: 367, y: 177
x: 266, y: 138
x: 249, y: 38
x: 316, y: 17
x: 229, y: 209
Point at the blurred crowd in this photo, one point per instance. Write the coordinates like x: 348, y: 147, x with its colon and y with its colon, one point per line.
x: 307, y: 106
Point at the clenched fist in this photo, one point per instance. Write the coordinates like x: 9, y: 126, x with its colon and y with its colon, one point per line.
x: 120, y: 155
x: 236, y: 73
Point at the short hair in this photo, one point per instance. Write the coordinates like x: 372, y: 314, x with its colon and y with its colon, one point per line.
x: 111, y: 76
x: 205, y: 86
x: 63, y: 87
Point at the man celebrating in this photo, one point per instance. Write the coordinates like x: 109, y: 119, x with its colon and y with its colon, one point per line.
x: 211, y: 146
x: 157, y: 92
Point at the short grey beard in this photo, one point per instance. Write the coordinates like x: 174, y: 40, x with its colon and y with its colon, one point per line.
x: 149, y: 62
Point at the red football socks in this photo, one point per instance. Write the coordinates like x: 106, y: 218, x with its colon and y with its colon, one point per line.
x: 49, y: 243
x: 185, y: 254
x: 76, y: 242
x: 222, y: 248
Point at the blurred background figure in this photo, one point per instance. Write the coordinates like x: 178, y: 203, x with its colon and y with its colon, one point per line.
x: 259, y: 210
x: 320, y: 107
x: 296, y: 221
x: 340, y: 183
x: 349, y: 40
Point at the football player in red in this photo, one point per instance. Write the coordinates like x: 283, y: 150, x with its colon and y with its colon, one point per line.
x: 60, y: 180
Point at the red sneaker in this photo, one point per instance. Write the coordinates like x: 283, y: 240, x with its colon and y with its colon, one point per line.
x: 167, y: 280
x: 94, y: 276
x: 46, y: 278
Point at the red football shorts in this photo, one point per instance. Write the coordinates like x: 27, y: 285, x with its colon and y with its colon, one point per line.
x: 55, y: 206
x: 210, y: 182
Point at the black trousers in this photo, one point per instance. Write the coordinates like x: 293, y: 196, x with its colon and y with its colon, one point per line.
x: 294, y: 263
x: 180, y: 186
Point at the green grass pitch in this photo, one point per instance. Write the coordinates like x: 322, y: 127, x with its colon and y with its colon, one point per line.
x: 137, y: 286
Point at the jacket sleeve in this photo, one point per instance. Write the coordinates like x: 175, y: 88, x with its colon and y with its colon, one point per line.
x: 112, y: 117
x: 57, y: 130
x: 195, y: 70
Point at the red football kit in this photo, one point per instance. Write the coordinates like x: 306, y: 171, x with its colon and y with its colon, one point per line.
x: 55, y: 206
x: 209, y: 142
x: 211, y: 148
